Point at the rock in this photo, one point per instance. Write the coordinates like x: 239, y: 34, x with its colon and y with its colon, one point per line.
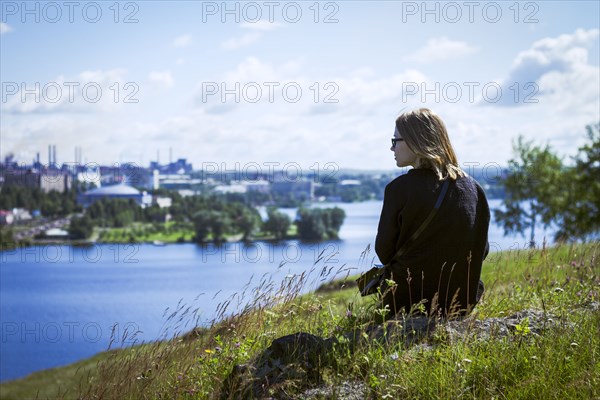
x: 408, y: 330
x: 294, y: 359
x: 344, y: 391
x: 301, y: 347
x: 535, y: 321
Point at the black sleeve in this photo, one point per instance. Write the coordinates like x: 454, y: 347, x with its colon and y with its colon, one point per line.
x: 389, y: 228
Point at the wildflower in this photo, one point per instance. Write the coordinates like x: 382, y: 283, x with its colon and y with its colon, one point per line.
x: 208, y: 351
x: 218, y: 349
x: 348, y: 314
x: 237, y: 345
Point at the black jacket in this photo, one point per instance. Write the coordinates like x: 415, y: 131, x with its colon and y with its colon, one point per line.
x: 446, y: 258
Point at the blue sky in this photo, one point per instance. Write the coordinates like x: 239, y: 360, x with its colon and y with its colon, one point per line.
x: 345, y: 79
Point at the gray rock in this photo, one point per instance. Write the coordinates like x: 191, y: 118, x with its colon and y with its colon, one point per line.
x: 344, y: 391
x: 296, y: 359
x: 534, y: 320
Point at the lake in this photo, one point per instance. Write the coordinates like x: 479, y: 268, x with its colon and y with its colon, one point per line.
x: 60, y: 304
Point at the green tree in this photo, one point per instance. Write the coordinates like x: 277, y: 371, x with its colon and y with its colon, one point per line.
x: 336, y: 219
x: 532, y: 185
x: 310, y: 224
x: 7, y: 240
x: 209, y: 221
x: 277, y: 223
x: 202, y: 225
x: 319, y: 224
x: 220, y: 224
x: 154, y: 213
x: 50, y: 204
x: 247, y: 221
x: 81, y: 228
x: 579, y: 215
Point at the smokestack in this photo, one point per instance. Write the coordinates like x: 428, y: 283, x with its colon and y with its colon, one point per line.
x: 54, y: 154
x: 37, y: 158
x: 49, y: 155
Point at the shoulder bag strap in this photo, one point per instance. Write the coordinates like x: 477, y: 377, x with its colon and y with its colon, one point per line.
x: 426, y: 222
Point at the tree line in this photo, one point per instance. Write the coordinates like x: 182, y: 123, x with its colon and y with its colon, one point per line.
x: 542, y: 189
x: 51, y: 204
x: 213, y: 218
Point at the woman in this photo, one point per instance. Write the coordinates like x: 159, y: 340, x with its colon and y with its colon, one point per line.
x: 438, y: 270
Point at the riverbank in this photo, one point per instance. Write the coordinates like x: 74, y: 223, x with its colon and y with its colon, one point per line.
x: 553, y: 360
x: 143, y: 234
x: 147, y: 233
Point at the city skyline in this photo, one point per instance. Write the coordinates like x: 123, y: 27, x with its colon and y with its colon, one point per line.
x: 293, y: 82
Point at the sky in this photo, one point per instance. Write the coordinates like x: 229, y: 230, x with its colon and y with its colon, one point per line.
x: 278, y: 84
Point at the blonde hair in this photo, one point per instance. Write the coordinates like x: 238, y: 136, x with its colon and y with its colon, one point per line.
x: 425, y: 135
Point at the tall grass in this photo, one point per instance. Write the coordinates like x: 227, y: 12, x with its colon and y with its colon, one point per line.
x: 555, y: 357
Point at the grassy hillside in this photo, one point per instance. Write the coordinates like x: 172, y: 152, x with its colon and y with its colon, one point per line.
x: 556, y: 359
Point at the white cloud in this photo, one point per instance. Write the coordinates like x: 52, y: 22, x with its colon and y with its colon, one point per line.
x: 257, y: 29
x: 261, y: 25
x: 89, y: 91
x: 4, y: 28
x: 245, y: 76
x: 440, y: 48
x: 26, y: 136
x: 358, y: 125
x: 560, y: 71
x: 562, y: 53
x: 183, y: 40
x: 163, y: 78
x: 244, y: 40
x: 354, y: 132
x: 360, y: 93
x: 564, y: 94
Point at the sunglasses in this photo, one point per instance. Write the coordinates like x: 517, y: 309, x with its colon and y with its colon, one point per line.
x: 396, y: 140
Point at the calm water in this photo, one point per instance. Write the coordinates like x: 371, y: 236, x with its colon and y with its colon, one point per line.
x: 59, y: 304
